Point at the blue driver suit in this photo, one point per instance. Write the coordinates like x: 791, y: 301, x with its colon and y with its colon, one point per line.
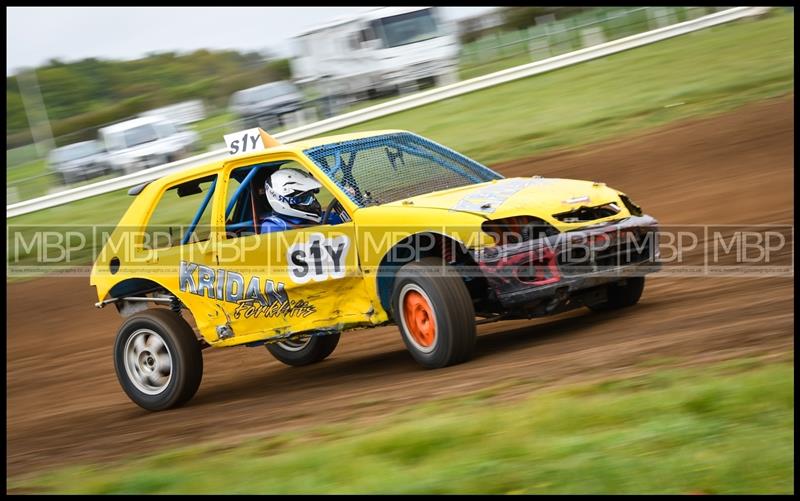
x: 279, y: 222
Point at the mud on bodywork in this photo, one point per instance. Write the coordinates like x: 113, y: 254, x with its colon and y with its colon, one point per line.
x: 555, y: 273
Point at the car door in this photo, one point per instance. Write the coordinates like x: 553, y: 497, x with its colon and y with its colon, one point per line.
x: 285, y: 282
x: 177, y: 246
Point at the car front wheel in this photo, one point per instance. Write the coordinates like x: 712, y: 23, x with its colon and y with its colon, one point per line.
x: 434, y: 311
x: 621, y: 294
x: 157, y: 359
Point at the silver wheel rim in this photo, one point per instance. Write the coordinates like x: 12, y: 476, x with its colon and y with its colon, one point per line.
x: 295, y: 345
x: 148, y: 361
x: 405, y: 290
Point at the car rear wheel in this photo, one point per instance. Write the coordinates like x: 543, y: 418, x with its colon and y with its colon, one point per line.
x: 621, y: 294
x: 434, y: 311
x: 305, y: 350
x: 268, y: 122
x: 157, y: 359
x: 65, y: 178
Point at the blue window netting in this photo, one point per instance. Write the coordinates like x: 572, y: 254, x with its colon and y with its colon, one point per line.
x: 390, y: 167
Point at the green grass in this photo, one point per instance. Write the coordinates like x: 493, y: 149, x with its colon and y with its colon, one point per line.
x: 35, y: 179
x: 22, y: 154
x: 31, y: 179
x: 703, y: 73
x: 505, y: 49
x: 496, y: 64
x: 212, y: 128
x: 720, y: 429
x: 372, y: 102
x: 27, y: 170
x: 698, y: 74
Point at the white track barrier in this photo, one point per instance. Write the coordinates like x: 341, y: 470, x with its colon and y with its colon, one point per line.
x: 394, y: 106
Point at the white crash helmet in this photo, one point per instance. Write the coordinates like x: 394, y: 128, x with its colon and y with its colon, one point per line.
x: 291, y: 192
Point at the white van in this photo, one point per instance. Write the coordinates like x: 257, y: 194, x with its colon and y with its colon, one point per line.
x: 145, y: 142
x: 381, y: 50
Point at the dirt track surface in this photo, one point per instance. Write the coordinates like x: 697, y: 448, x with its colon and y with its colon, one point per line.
x: 65, y: 405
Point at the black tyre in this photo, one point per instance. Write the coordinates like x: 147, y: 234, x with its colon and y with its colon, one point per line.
x: 269, y: 122
x: 305, y: 351
x: 249, y: 122
x: 157, y: 359
x: 434, y: 311
x: 621, y: 294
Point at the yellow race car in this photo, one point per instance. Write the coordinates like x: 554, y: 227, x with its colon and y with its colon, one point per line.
x: 402, y: 230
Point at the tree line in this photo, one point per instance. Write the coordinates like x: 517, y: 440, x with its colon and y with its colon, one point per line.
x: 81, y: 96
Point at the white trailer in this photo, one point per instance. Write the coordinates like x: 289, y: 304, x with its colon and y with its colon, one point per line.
x: 383, y: 50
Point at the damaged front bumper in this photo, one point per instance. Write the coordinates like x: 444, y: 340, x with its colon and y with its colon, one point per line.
x: 566, y: 270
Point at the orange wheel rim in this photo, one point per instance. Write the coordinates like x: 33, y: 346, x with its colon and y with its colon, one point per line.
x: 419, y: 318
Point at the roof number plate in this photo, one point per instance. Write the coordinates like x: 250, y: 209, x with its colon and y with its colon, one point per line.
x: 249, y: 140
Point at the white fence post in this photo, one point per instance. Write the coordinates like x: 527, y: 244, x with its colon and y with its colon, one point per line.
x: 592, y: 36
x: 12, y: 194
x: 539, y: 48
x: 660, y: 17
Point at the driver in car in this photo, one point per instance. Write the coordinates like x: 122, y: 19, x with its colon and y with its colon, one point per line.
x: 290, y: 194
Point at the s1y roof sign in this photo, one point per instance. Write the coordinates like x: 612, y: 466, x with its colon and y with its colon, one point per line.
x: 249, y: 140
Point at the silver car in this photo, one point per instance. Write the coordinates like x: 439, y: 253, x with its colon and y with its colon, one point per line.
x: 265, y: 106
x: 146, y: 142
x: 79, y: 161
